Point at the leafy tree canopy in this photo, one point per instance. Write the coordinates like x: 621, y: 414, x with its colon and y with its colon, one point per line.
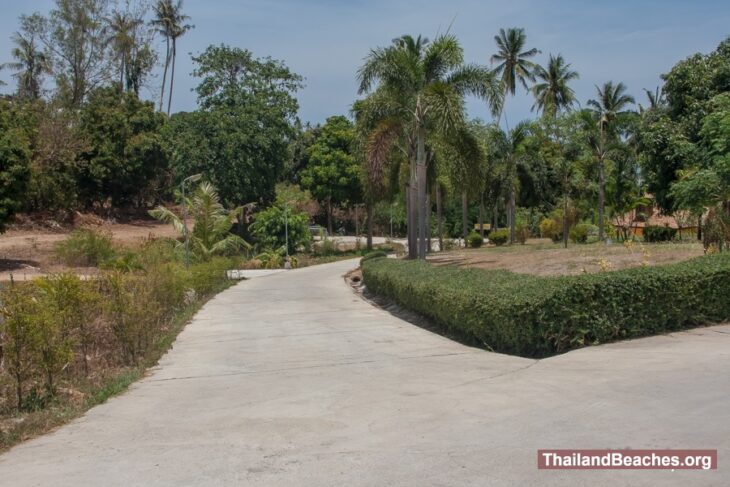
x: 240, y: 138
x: 124, y: 156
x: 14, y: 159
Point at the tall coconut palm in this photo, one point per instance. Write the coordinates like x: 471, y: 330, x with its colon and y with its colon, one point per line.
x: 420, y: 89
x: 162, y: 22
x: 30, y: 64
x: 122, y: 26
x: 513, y: 60
x: 178, y: 28
x: 612, y: 103
x: 552, y: 93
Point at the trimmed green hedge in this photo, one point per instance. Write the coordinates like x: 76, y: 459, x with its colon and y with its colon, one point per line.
x: 540, y: 316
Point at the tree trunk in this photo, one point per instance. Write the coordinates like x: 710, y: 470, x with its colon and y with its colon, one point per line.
x: 601, y: 200
x: 439, y: 218
x: 565, y: 220
x: 512, y: 216
x: 329, y: 216
x: 421, y: 175
x: 369, y: 209
x: 428, y: 221
x: 357, y: 222
x: 172, y: 76
x: 495, y: 215
x: 411, y: 218
x: 164, y: 72
x: 464, y: 215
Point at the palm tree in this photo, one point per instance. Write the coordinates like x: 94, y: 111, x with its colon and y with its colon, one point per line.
x: 162, y: 24
x: 552, y: 93
x: 30, y: 66
x: 514, y: 64
x: 655, y: 98
x: 611, y: 104
x: 420, y: 89
x: 178, y: 28
x: 211, y: 233
x: 123, y: 26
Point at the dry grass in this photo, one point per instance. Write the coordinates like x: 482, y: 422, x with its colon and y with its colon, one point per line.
x: 544, y: 258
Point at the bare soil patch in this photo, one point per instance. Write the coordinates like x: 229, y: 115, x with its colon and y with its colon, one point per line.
x: 544, y: 258
x: 29, y: 251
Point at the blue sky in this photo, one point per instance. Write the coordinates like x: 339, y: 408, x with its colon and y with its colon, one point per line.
x: 326, y: 40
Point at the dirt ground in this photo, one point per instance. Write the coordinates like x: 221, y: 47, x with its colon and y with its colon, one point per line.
x: 544, y: 258
x: 29, y: 252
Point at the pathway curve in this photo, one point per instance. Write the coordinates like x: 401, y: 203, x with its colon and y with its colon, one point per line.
x: 293, y: 380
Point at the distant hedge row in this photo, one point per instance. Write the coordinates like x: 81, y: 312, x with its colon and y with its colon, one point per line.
x: 539, y: 316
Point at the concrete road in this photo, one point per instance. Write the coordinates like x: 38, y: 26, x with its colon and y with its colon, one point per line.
x: 292, y: 380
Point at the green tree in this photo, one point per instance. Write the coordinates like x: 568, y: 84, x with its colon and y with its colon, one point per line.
x: 240, y: 137
x: 15, y: 154
x: 419, y: 89
x: 76, y: 34
x: 669, y: 138
x: 125, y: 157
x: 332, y: 174
x: 612, y: 104
x: 272, y: 228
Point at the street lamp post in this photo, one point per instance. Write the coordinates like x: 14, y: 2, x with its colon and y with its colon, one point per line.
x: 286, y: 230
x: 191, y: 179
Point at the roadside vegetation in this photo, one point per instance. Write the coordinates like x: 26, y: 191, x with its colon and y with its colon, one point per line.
x: 536, y: 316
x: 609, y: 181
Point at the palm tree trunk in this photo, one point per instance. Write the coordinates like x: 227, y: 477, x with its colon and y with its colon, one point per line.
x: 329, y: 215
x: 369, y: 209
x: 164, y: 72
x: 512, y: 225
x: 464, y: 216
x: 601, y: 199
x: 439, y: 217
x: 172, y: 75
x: 411, y: 203
x: 421, y: 175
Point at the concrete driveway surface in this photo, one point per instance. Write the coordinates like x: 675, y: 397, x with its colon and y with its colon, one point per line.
x: 293, y: 380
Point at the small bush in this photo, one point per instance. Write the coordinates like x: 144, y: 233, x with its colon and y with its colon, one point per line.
x: 86, y: 247
x: 499, y: 237
x: 475, y: 240
x: 539, y: 316
x: 377, y: 254
x: 271, y: 229
x: 655, y: 233
x: 579, y: 233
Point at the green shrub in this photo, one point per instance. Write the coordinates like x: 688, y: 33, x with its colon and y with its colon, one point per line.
x: 539, y: 316
x: 270, y: 231
x: 475, y: 240
x: 499, y: 237
x: 376, y: 254
x: 579, y: 233
x: 655, y: 233
x: 86, y: 247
